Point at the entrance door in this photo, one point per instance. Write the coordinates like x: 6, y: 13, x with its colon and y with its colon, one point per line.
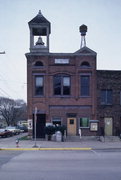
x: 40, y: 126
x: 71, y: 126
x: 108, y: 126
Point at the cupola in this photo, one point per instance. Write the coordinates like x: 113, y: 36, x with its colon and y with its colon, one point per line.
x: 40, y: 29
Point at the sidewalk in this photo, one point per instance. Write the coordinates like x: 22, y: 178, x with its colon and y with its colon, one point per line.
x: 51, y: 145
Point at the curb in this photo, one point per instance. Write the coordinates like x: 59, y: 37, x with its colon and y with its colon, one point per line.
x: 111, y: 148
x: 44, y: 149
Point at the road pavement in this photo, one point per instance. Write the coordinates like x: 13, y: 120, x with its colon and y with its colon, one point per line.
x: 61, y: 165
x: 82, y: 160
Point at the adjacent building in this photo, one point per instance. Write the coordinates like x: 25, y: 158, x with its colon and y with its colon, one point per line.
x: 109, y: 101
x: 67, y: 89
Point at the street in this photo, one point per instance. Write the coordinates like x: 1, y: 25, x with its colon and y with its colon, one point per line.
x: 60, y: 165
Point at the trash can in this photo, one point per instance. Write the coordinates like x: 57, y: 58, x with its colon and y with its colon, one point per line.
x: 58, y: 136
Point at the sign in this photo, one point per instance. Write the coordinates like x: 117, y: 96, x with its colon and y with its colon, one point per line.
x: 93, y: 126
x: 61, y: 61
x: 29, y: 123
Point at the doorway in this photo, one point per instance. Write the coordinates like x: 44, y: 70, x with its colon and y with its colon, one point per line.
x: 40, y: 126
x: 71, y: 126
x: 108, y: 126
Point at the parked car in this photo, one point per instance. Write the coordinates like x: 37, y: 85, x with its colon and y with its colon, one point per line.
x: 5, y: 133
x: 13, y: 129
x: 23, y: 128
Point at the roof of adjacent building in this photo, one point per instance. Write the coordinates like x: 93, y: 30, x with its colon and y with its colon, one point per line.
x: 108, y: 71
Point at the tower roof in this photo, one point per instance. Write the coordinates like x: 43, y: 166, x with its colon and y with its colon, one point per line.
x: 39, y: 19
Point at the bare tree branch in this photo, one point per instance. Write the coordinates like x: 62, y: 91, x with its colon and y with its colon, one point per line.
x: 12, y: 110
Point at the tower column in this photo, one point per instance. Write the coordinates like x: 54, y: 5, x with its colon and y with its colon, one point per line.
x: 31, y: 39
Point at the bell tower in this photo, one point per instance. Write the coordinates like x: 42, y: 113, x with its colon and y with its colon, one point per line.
x: 40, y: 29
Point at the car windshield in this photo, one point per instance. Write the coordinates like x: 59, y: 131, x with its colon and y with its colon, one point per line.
x: 10, y: 128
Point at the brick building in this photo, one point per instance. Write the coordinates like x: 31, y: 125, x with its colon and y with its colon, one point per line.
x: 65, y: 87
x: 109, y: 101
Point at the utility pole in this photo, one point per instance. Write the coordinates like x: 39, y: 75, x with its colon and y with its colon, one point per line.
x: 35, y: 121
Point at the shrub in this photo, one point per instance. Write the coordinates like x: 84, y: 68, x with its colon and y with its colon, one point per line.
x: 49, y: 130
x: 60, y: 128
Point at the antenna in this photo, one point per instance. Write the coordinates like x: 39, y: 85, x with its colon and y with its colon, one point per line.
x: 83, y: 30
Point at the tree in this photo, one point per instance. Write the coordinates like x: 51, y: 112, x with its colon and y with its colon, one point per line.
x: 12, y: 110
x: 22, y: 109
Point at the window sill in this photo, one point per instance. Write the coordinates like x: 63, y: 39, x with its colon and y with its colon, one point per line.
x: 39, y: 96
x: 37, y: 67
x: 85, y: 96
x: 84, y: 127
x: 106, y: 104
x: 62, y: 96
x: 82, y: 67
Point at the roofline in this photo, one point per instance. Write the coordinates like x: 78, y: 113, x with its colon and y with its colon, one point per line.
x: 86, y: 48
x: 99, y: 70
x: 58, y: 54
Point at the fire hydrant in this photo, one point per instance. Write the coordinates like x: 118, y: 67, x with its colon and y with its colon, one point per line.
x: 17, y: 142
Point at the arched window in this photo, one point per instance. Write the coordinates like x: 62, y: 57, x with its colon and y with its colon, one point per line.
x: 85, y: 64
x: 38, y: 63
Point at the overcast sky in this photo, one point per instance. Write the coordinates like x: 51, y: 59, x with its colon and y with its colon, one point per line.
x: 103, y: 18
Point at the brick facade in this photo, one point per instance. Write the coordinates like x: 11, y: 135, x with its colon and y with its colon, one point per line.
x: 61, y: 106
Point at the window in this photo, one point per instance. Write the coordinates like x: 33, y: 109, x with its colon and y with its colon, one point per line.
x: 61, y: 85
x: 38, y: 85
x: 56, y: 121
x: 85, y: 85
x: 38, y: 63
x: 66, y: 85
x: 71, y: 121
x: 84, y: 122
x: 85, y: 64
x: 106, y: 96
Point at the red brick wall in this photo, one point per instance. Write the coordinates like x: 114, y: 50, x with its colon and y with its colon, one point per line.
x: 82, y: 106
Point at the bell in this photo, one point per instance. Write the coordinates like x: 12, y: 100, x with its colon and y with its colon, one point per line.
x: 39, y: 42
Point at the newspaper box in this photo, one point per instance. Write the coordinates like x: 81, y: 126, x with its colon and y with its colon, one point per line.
x: 58, y: 136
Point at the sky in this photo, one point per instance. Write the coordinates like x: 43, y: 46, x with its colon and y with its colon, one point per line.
x: 103, y: 18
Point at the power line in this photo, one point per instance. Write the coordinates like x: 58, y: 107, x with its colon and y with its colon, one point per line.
x: 16, y: 82
x: 5, y: 92
x: 7, y: 82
